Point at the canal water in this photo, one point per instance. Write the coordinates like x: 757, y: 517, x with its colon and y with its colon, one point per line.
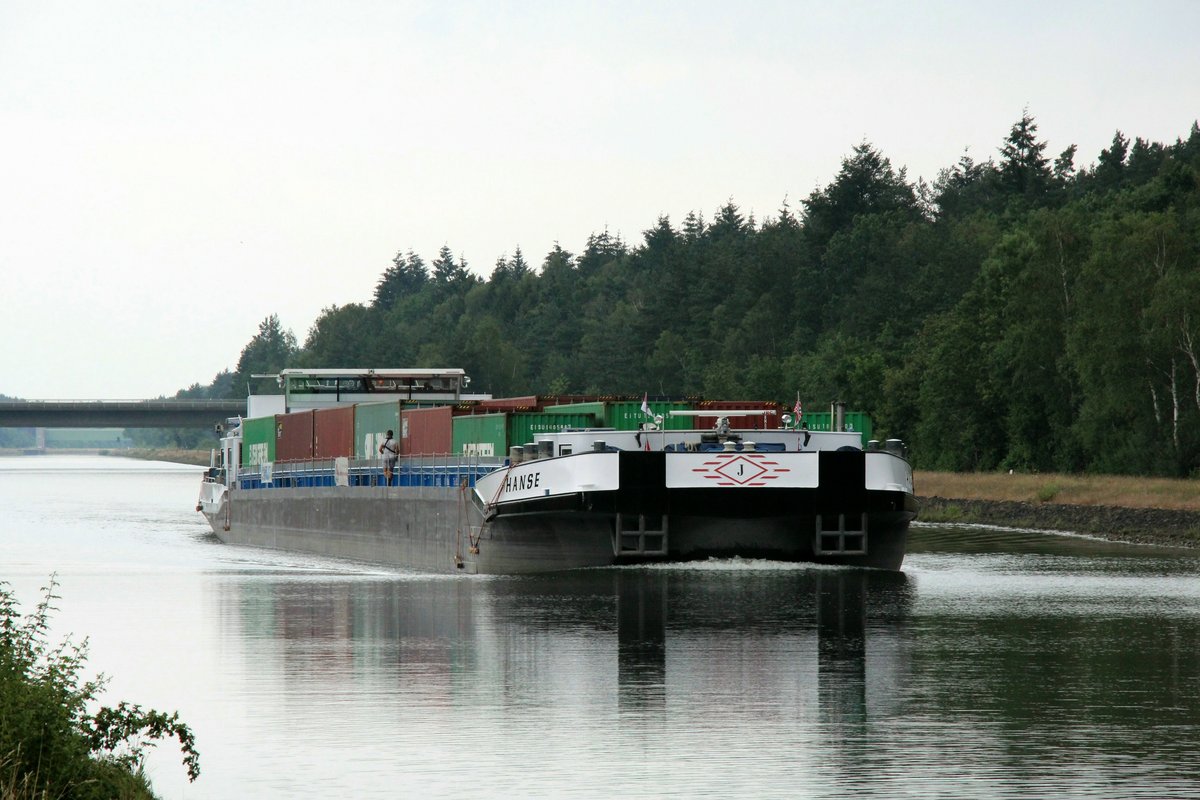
x: 999, y: 663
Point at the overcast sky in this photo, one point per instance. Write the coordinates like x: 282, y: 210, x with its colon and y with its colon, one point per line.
x: 173, y: 172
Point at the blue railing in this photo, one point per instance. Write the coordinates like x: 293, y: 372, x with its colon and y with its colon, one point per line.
x: 446, y: 471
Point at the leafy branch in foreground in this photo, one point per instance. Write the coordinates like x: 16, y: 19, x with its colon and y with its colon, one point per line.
x: 130, y: 726
x: 50, y: 745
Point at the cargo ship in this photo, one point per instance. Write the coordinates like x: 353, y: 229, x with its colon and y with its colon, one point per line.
x: 538, y: 484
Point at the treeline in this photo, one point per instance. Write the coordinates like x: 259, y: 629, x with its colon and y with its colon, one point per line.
x: 1019, y: 312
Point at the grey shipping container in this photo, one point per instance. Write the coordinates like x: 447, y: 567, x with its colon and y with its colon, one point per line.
x: 372, y: 421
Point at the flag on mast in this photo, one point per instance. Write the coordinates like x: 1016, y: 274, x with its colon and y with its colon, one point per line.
x: 798, y: 410
x: 646, y: 405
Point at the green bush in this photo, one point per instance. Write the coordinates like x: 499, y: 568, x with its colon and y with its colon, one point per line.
x: 1048, y: 492
x: 948, y: 512
x: 50, y: 745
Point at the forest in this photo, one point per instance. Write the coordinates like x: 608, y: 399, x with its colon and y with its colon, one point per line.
x: 1021, y: 312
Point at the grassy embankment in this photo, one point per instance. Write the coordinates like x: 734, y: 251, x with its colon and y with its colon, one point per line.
x: 197, y: 457
x: 1081, y: 490
x: 1148, y: 510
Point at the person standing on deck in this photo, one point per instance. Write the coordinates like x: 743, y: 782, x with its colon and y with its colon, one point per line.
x: 390, y: 453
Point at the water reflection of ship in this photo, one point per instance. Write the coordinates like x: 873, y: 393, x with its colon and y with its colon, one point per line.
x: 855, y: 615
x: 337, y: 630
x: 795, y: 640
x: 641, y: 640
x: 855, y: 608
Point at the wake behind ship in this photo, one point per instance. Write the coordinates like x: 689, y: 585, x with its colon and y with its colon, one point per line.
x: 535, y: 484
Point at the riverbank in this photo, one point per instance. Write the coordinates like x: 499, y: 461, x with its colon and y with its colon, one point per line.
x: 199, y: 458
x: 1144, y: 510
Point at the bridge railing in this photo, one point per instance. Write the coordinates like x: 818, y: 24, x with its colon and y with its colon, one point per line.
x: 154, y: 413
x: 16, y: 405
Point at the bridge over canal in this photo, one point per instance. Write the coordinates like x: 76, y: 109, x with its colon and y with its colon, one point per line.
x: 118, y: 413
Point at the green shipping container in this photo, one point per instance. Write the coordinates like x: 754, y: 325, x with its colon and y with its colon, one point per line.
x: 596, y: 409
x: 480, y: 435
x: 524, y: 427
x: 854, y: 420
x: 372, y: 421
x: 258, y: 441
x: 625, y: 415
x: 492, y: 434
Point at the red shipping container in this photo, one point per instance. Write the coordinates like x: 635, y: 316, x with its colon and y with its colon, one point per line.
x: 768, y: 420
x: 333, y: 432
x: 294, y: 436
x: 538, y: 402
x: 426, y: 431
x: 527, y: 403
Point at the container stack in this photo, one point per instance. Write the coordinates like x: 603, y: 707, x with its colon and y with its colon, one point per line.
x: 854, y: 421
x: 769, y: 416
x: 488, y: 428
x: 627, y: 415
x: 491, y: 435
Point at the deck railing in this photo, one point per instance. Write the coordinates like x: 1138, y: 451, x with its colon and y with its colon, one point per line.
x: 431, y: 470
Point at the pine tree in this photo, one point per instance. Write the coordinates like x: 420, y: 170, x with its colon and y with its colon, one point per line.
x: 447, y: 271
x: 518, y: 265
x: 405, y: 277
x: 1064, y: 165
x: 1110, y: 169
x: 270, y: 351
x: 966, y: 187
x: 866, y: 184
x: 1023, y: 167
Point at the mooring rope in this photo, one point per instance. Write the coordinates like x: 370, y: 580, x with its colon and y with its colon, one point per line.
x: 488, y: 510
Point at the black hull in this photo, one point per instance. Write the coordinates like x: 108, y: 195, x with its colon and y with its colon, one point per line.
x: 594, y: 539
x: 449, y: 529
x: 838, y: 522
x: 792, y: 538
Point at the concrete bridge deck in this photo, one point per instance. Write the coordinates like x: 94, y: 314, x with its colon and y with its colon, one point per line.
x: 118, y: 413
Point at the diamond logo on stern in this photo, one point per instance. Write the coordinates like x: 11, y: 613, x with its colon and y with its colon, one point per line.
x: 741, y: 470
